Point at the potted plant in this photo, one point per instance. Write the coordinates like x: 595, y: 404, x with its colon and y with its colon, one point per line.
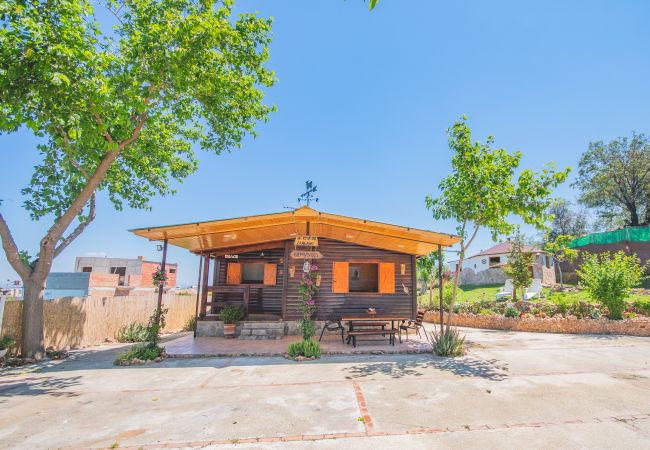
x: 5, y: 343
x: 230, y: 315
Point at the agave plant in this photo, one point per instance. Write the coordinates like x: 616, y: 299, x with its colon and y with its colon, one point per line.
x: 448, y: 343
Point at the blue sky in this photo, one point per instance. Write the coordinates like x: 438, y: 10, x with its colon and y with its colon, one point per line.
x: 364, y: 99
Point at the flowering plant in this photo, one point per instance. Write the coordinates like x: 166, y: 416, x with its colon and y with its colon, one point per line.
x: 307, y: 307
x: 159, y: 277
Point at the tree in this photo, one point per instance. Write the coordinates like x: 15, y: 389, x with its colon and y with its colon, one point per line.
x: 519, y: 263
x: 120, y: 111
x: 614, y: 178
x: 558, y: 249
x: 482, y: 192
x: 566, y: 220
x: 426, y: 271
x: 608, y: 278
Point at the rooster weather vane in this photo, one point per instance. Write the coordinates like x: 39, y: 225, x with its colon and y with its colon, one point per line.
x: 308, y: 196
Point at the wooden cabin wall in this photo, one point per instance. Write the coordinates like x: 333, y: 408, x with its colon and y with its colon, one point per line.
x: 335, y: 305
x: 263, y: 299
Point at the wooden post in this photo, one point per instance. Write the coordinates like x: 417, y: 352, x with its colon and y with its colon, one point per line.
x: 198, y: 290
x: 161, y: 286
x: 204, y: 284
x: 440, y: 286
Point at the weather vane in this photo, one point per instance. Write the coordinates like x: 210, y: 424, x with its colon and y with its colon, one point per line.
x: 308, y: 196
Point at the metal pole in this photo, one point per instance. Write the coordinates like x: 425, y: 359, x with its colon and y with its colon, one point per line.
x: 198, y: 290
x: 440, y: 285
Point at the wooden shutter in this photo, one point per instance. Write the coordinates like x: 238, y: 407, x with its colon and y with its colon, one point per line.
x: 233, y: 275
x: 386, y: 278
x: 270, y: 274
x: 340, y: 277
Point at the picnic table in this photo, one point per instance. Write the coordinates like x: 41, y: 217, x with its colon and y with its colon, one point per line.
x: 371, y: 326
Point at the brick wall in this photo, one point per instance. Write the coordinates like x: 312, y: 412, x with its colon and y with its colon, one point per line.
x: 631, y: 327
x: 149, y: 268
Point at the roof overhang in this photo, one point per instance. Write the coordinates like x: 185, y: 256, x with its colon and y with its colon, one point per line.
x: 203, y: 237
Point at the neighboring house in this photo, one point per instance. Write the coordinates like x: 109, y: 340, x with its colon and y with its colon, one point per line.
x: 258, y: 261
x: 107, y: 277
x: 486, y: 267
x: 632, y: 241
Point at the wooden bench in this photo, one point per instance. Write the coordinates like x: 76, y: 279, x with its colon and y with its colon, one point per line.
x: 381, y: 332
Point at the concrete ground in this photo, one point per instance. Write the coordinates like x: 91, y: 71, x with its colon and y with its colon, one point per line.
x: 331, y: 344
x: 512, y: 390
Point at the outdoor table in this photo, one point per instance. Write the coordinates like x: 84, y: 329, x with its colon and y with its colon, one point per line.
x: 375, y: 318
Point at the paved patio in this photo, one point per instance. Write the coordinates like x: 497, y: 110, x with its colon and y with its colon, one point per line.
x: 187, y: 345
x: 512, y: 390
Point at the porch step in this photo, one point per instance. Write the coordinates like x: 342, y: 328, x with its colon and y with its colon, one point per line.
x: 263, y: 317
x: 261, y: 330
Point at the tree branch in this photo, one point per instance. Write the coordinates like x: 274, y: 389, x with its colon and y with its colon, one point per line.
x: 80, y: 228
x: 11, y: 251
x: 72, y: 161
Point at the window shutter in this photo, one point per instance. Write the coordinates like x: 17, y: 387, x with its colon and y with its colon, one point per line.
x: 386, y: 278
x: 340, y: 277
x: 233, y: 276
x: 270, y: 274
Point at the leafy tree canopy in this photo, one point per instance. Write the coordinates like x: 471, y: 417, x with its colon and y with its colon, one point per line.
x: 567, y: 221
x: 169, y: 75
x: 614, y: 178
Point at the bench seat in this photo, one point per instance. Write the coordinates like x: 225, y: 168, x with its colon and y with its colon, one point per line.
x: 353, y: 334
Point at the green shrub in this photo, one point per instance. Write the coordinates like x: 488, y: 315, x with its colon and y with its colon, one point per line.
x: 307, y: 328
x: 642, y: 306
x: 311, y: 348
x: 190, y: 325
x: 608, y: 279
x: 144, y: 352
x: 462, y: 307
x: 511, y: 311
x: 448, y: 343
x: 133, y: 332
x: 307, y: 348
x: 231, y: 314
x: 486, y: 312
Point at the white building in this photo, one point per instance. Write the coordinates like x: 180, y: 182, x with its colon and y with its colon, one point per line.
x: 486, y: 267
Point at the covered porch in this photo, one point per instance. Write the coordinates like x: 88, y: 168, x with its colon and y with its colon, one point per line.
x: 257, y: 261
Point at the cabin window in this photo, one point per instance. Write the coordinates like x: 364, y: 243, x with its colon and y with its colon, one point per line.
x: 252, y: 273
x: 87, y: 269
x: 364, y: 277
x: 172, y: 270
x: 495, y: 260
x: 360, y: 277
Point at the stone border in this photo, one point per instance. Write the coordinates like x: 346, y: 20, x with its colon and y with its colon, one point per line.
x: 629, y: 327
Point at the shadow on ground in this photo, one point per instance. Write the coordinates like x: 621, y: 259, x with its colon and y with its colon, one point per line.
x: 52, y: 386
x: 462, y: 367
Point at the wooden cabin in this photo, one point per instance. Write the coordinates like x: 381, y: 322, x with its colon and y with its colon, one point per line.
x: 257, y: 262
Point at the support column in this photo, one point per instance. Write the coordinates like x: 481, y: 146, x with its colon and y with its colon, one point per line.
x: 198, y: 291
x: 161, y: 286
x: 204, y: 283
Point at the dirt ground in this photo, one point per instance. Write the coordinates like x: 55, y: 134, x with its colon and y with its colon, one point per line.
x: 511, y: 390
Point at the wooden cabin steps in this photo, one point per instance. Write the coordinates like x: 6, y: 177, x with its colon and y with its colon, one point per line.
x: 263, y: 317
x: 253, y: 331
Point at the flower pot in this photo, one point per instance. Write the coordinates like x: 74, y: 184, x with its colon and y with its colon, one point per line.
x: 229, y: 330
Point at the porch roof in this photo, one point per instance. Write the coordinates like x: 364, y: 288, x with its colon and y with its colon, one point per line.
x: 202, y: 237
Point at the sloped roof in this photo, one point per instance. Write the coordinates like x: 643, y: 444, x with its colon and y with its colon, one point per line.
x: 229, y: 233
x: 504, y: 247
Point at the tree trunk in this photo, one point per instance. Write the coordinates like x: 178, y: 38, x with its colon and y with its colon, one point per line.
x: 431, y: 296
x: 559, y: 268
x: 461, y: 258
x: 33, y: 342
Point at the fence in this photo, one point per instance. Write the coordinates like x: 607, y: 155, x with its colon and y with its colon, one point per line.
x: 82, y: 322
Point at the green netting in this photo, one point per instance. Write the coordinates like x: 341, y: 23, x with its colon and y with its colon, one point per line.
x: 636, y: 234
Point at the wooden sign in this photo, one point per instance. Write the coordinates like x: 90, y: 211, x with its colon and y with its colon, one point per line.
x: 301, y: 254
x: 231, y: 256
x: 306, y: 241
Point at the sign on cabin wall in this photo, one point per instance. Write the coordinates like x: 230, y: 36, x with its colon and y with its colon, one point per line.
x: 231, y: 256
x: 306, y: 241
x: 301, y: 254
